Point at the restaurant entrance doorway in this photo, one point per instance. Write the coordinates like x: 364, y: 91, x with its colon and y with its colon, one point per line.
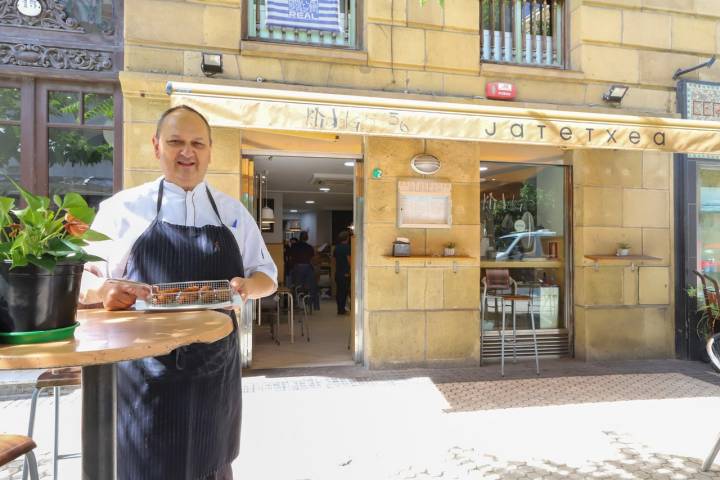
x: 305, y: 206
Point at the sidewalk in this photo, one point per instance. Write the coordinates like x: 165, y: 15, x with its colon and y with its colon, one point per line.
x: 634, y: 420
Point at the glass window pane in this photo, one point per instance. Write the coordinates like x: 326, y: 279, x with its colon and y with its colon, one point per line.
x: 63, y: 107
x: 98, y: 109
x: 81, y: 161
x: 10, y: 104
x: 523, y: 218
x: 93, y: 15
x: 9, y: 158
x: 708, y: 255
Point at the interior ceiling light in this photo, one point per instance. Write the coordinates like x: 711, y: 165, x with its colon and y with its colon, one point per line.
x: 615, y: 93
x: 483, y: 169
x: 293, y: 210
x: 294, y: 226
x: 309, y: 202
x: 349, y: 164
x: 425, y: 164
x: 324, y: 189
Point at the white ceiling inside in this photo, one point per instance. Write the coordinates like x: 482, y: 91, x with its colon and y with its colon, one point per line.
x: 300, y: 178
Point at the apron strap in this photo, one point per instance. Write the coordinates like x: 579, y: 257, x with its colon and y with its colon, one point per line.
x: 160, y: 197
x: 214, y: 207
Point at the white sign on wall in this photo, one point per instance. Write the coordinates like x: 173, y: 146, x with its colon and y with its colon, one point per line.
x: 30, y: 8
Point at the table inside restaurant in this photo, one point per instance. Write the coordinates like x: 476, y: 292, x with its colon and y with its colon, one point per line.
x: 101, y: 340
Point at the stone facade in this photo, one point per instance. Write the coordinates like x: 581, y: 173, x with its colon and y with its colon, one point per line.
x: 418, y: 315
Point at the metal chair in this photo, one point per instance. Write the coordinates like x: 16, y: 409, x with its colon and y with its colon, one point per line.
x: 56, y: 378
x: 15, y: 446
x: 496, y: 283
x: 713, y: 351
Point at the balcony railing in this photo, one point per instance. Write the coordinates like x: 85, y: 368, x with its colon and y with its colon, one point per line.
x: 528, y: 32
x: 258, y: 30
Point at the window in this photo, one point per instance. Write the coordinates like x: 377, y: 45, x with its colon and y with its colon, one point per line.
x: 9, y: 137
x: 524, y: 223
x: 80, y: 144
x: 528, y: 32
x: 708, y: 221
x: 92, y: 15
x: 64, y: 142
x: 339, y: 30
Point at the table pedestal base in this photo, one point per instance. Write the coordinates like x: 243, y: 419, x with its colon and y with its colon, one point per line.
x: 99, y: 412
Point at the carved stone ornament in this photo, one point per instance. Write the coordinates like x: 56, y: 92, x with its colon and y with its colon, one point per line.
x: 25, y: 55
x: 52, y: 16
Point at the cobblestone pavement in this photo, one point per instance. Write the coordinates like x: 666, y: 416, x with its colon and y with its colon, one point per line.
x: 615, y: 420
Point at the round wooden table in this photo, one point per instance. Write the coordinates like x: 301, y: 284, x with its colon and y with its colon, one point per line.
x: 102, y: 339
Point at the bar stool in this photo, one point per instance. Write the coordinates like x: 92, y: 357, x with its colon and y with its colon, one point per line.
x: 304, y: 300
x: 287, y: 293
x: 15, y: 446
x: 55, y: 378
x: 498, y: 285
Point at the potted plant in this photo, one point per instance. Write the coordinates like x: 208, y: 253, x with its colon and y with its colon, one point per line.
x: 449, y: 250
x: 623, y: 249
x: 42, y: 258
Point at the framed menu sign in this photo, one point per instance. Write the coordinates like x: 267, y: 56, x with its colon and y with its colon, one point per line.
x: 424, y: 204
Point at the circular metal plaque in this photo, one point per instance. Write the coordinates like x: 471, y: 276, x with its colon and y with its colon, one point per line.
x: 30, y: 8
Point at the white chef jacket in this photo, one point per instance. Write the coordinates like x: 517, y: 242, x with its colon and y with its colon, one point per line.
x: 127, y: 214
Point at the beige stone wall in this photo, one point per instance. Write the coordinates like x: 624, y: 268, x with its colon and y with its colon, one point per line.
x: 427, y: 312
x: 409, y: 49
x: 621, y: 311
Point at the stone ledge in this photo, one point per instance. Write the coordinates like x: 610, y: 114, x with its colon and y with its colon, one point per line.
x: 303, y: 52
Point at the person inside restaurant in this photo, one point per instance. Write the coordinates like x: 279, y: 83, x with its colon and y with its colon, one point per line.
x: 341, y: 260
x: 303, y: 273
x: 178, y: 415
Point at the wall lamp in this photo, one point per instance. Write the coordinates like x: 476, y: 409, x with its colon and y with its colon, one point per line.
x: 425, y: 164
x: 211, y: 64
x: 616, y: 93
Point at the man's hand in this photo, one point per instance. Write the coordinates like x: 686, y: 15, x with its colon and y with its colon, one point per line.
x: 258, y: 285
x: 118, y: 296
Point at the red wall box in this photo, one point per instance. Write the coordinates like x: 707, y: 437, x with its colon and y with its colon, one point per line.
x: 500, y: 90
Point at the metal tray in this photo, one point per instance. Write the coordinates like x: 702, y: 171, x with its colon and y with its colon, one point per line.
x: 200, y: 295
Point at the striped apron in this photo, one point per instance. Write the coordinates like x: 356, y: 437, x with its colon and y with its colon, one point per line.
x: 179, y: 414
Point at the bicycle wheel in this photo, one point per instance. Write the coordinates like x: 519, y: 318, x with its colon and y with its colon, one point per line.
x: 713, y: 351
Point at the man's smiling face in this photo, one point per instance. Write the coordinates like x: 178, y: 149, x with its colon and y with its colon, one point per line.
x: 183, y: 148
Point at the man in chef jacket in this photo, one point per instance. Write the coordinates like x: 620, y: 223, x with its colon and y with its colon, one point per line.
x: 178, y: 414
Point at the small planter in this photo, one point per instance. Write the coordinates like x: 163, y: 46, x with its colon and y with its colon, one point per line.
x: 449, y: 252
x: 622, y: 252
x: 33, y: 299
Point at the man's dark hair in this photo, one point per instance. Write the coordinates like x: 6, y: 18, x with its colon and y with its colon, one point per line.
x: 186, y: 108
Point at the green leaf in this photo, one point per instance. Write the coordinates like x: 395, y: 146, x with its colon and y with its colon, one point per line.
x: 74, y: 200
x: 71, y: 245
x: 82, y: 213
x: 92, y: 258
x: 46, y: 262
x: 33, y: 201
x: 6, y: 204
x: 57, y: 200
x: 93, y: 236
x: 18, y: 259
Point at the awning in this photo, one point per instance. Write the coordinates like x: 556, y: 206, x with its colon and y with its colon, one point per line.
x: 260, y: 108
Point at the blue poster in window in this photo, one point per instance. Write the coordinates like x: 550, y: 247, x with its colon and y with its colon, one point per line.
x: 305, y: 14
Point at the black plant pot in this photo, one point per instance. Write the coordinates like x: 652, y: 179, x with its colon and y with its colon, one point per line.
x: 34, y: 299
